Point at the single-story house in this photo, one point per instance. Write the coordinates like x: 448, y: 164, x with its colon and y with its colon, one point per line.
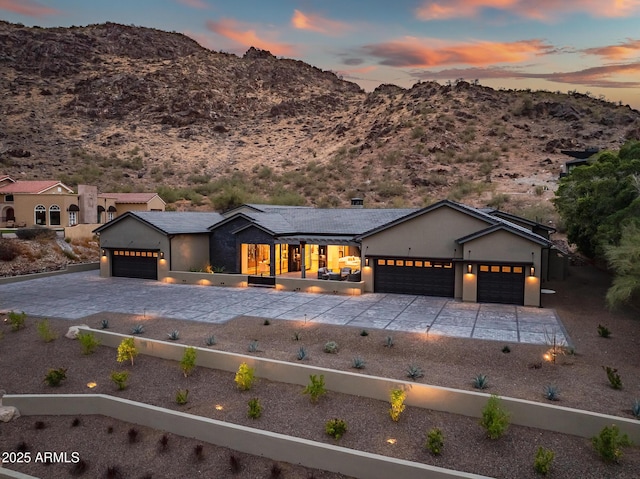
x: 446, y: 249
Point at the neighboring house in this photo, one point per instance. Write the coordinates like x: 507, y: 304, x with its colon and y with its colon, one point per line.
x: 53, y: 204
x: 581, y: 157
x: 446, y: 249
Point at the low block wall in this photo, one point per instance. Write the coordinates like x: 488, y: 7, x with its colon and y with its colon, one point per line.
x: 351, y: 288
x: 206, y: 279
x: 80, y: 231
x: 275, y: 446
x: 468, y: 403
x: 71, y: 268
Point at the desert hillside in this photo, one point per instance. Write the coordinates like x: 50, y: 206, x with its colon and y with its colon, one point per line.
x: 137, y: 109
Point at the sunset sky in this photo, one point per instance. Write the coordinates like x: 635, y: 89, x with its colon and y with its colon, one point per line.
x: 557, y: 45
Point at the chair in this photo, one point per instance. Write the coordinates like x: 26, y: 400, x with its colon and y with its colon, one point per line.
x: 344, y: 273
x: 356, y: 276
x: 323, y: 273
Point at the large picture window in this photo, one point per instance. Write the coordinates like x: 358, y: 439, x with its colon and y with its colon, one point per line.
x: 54, y: 215
x: 41, y: 215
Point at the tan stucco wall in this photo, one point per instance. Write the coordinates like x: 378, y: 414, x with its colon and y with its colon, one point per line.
x: 431, y: 235
x: 504, y: 246
x: 80, y: 231
x: 155, y: 203
x: 189, y: 252
x: 24, y: 207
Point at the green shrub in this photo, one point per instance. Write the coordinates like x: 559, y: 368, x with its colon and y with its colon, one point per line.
x: 358, y: 363
x: 120, y: 378
x: 603, y: 331
x: 255, y: 408
x: 88, y: 342
x: 245, y: 377
x: 435, y: 441
x: 542, y: 462
x: 609, y: 443
x: 315, y: 388
x: 55, y: 376
x: 16, y: 320
x: 35, y: 232
x: 188, y: 362
x: 614, y: 377
x: 331, y: 347
x: 396, y: 399
x: 335, y: 428
x: 127, y: 350
x: 182, y: 396
x: 495, y: 420
x: 44, y: 330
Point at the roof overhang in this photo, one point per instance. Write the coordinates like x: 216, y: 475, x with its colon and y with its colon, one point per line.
x: 503, y: 227
x: 318, y: 239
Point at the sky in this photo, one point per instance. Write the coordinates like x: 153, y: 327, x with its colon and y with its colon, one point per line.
x: 588, y: 46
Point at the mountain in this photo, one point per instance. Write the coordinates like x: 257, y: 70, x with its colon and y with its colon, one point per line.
x: 133, y: 109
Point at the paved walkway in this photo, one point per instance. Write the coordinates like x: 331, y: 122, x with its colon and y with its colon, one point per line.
x: 74, y: 296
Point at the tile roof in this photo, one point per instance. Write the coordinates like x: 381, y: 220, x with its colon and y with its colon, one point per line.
x: 33, y: 187
x: 129, y: 197
x: 178, y: 222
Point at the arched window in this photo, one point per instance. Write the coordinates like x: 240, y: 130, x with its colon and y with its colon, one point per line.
x: 54, y: 215
x: 41, y: 215
x: 100, y: 213
x: 111, y: 213
x: 73, y: 214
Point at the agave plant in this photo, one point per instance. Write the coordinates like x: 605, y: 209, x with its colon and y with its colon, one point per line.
x: 551, y: 393
x: 174, y: 335
x: 302, y: 354
x: 210, y: 340
x: 414, y: 372
x: 481, y: 381
x: 358, y: 363
x: 635, y: 409
x: 137, y: 329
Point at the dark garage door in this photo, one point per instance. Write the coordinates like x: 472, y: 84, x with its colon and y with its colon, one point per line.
x: 135, y: 264
x: 500, y: 284
x: 414, y: 276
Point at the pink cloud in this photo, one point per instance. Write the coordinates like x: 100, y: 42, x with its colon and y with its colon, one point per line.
x: 27, y: 7
x: 198, y: 4
x: 420, y: 52
x: 540, y: 9
x: 317, y: 23
x: 616, y: 52
x: 247, y: 37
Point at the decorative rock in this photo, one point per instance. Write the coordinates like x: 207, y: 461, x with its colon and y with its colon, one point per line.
x: 7, y: 413
x: 74, y: 330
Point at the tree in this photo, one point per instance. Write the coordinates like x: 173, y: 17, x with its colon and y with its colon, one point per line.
x: 625, y: 260
x: 598, y: 199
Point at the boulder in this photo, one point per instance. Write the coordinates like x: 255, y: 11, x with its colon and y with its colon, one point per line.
x: 73, y: 331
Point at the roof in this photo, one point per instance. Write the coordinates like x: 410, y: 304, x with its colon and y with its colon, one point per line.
x: 505, y: 227
x: 6, y: 177
x: 33, y: 187
x: 171, y: 222
x: 520, y: 219
x: 141, y: 198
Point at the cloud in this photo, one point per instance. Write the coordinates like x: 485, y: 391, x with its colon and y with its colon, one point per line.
x: 352, y: 61
x: 616, y: 52
x: 246, y: 36
x: 422, y: 52
x: 602, y: 76
x: 198, y: 4
x: 28, y: 8
x: 540, y: 9
x: 317, y: 23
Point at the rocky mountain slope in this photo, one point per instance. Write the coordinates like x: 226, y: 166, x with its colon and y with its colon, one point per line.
x: 133, y: 109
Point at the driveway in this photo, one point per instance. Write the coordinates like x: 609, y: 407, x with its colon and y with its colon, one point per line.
x: 74, y: 296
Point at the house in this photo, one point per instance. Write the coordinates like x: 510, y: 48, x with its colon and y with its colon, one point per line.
x: 446, y: 249
x: 51, y: 203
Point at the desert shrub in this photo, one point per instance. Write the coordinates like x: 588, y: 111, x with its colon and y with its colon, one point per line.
x: 335, y: 428
x: 9, y: 250
x: 609, y: 443
x: 435, y: 441
x: 495, y: 420
x: 542, y: 462
x: 137, y: 329
x: 120, y: 379
x: 45, y: 332
x: 603, y: 331
x: 182, y: 396
x: 88, y: 342
x: 302, y: 354
x: 253, y: 346
x: 613, y: 376
x: 16, y: 320
x: 245, y: 377
x: 552, y: 393
x: 255, y: 408
x: 210, y: 340
x: 54, y: 377
x: 331, y: 347
x: 396, y: 399
x: 315, y: 388
x: 174, y: 335
x: 133, y: 435
x: 414, y: 372
x: 188, y: 362
x: 35, y: 232
x: 127, y: 350
x: 358, y: 363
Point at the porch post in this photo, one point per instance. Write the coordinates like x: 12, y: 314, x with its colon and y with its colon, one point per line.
x: 303, y: 266
x: 272, y: 259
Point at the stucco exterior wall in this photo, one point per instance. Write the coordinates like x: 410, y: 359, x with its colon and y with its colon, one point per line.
x: 189, y: 252
x: 430, y: 235
x: 224, y: 251
x: 24, y: 206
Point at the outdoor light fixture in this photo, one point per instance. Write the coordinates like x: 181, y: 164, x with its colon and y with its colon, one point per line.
x: 92, y: 385
x: 366, y: 261
x: 219, y: 407
x: 161, y: 254
x: 104, y: 252
x: 469, y: 268
x: 391, y: 440
x: 532, y: 271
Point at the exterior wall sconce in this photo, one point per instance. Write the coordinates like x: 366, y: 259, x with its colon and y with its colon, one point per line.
x: 103, y: 252
x: 366, y: 261
x: 469, y: 268
x: 532, y: 271
x: 161, y: 254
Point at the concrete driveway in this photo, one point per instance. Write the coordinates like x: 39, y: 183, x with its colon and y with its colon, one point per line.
x: 74, y: 296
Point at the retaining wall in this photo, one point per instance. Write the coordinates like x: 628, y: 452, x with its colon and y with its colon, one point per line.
x: 71, y: 268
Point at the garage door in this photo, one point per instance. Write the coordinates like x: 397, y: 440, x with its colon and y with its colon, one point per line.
x: 500, y: 284
x: 414, y: 276
x: 134, y: 264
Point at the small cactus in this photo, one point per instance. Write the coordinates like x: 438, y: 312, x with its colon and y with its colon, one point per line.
x: 302, y: 354
x: 388, y: 343
x: 635, y: 409
x: 551, y: 393
x: 210, y: 340
x: 104, y: 324
x: 253, y: 346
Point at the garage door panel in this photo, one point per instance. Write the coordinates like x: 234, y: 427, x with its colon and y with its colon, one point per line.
x: 411, y: 276
x: 134, y: 264
x: 501, y: 284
